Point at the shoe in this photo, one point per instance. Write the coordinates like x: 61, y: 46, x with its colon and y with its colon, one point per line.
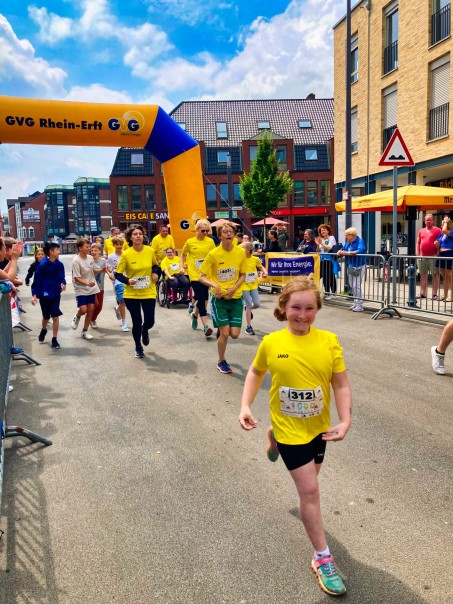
x: 194, y: 321
x: 86, y: 336
x: 352, y: 307
x: 190, y: 308
x: 93, y: 324
x: 139, y: 353
x: 223, y: 367
x: 357, y: 309
x: 272, y: 451
x: 117, y: 312
x: 438, y: 361
x: 22, y: 310
x: 55, y: 345
x: 124, y: 328
x: 10, y: 388
x: 435, y: 297
x: 448, y: 299
x: 328, y: 297
x: 16, y: 350
x: 75, y: 322
x: 207, y: 331
x: 328, y: 578
x: 42, y: 335
x: 249, y: 330
x: 421, y: 296
x: 145, y: 338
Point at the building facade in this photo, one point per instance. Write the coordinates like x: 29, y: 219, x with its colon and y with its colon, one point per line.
x: 228, y: 133
x: 26, y: 217
x: 59, y: 211
x: 400, y: 77
x: 92, y: 207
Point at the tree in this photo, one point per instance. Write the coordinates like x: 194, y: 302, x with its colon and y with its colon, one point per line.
x: 265, y: 187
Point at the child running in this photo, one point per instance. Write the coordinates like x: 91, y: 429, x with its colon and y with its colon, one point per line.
x: 47, y: 286
x: 99, y: 274
x: 250, y: 294
x: 39, y: 255
x: 85, y: 286
x: 112, y: 263
x: 303, y: 362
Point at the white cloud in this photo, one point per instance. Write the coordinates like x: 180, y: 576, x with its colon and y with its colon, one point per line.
x: 96, y: 93
x: 182, y: 74
x: 18, y: 63
x: 191, y: 12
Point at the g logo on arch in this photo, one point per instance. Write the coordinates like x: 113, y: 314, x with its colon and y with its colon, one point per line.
x: 130, y: 123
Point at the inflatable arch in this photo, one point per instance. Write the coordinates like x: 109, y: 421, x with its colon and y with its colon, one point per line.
x: 42, y: 122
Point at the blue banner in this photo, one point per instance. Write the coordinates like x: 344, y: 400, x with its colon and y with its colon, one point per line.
x: 284, y: 266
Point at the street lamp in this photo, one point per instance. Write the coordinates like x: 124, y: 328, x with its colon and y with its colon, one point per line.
x: 230, y: 188
x: 348, y: 213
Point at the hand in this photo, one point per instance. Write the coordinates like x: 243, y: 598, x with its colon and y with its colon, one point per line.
x: 155, y: 277
x: 34, y: 300
x: 91, y: 283
x: 133, y: 281
x: 229, y: 293
x: 246, y: 419
x: 17, y: 249
x: 63, y: 287
x: 336, y: 433
x: 217, y: 291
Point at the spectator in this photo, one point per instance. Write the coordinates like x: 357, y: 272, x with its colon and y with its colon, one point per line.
x: 326, y: 242
x: 444, y: 244
x: 161, y: 242
x: 426, y: 246
x: 272, y: 242
x: 282, y: 237
x: 356, y: 265
x: 308, y: 244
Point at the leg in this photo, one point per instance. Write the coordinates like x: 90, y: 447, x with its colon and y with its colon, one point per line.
x: 247, y: 299
x: 122, y: 307
x: 88, y: 316
x: 149, y: 307
x: 222, y: 341
x: 55, y: 326
x: 98, y: 304
x: 133, y: 306
x: 446, y: 338
x: 435, y: 283
x: 423, y: 281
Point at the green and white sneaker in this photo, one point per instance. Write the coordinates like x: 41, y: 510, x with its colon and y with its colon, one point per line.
x: 328, y: 578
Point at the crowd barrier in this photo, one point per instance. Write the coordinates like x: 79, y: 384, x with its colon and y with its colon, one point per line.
x: 6, y: 341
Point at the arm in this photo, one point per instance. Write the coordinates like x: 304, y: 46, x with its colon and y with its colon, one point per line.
x: 417, y: 250
x: 202, y: 278
x: 251, y: 387
x: 343, y: 402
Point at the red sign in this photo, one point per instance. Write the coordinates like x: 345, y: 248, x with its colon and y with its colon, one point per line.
x: 396, y: 153
x: 300, y: 212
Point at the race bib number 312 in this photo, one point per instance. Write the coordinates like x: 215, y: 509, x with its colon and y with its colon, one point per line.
x: 301, y: 403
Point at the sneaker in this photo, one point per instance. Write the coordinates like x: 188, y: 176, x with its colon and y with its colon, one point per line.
x: 328, y: 297
x: 190, y: 308
x: 117, y: 312
x: 207, y: 331
x: 194, y: 321
x: 357, y: 309
x: 249, y: 330
x: 10, y: 388
x: 352, y: 307
x: 328, y: 578
x: 93, y: 324
x: 223, y: 367
x: 145, y: 337
x: 55, y: 345
x: 16, y: 350
x: 86, y: 336
x: 124, y: 328
x: 75, y: 322
x: 272, y: 451
x: 42, y: 335
x: 139, y: 353
x: 437, y: 361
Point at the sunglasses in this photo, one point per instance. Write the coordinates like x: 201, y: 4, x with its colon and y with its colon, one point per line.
x: 203, y: 231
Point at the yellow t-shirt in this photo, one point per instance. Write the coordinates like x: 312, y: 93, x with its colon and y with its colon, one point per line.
x: 251, y: 273
x: 225, y: 267
x: 196, y: 251
x: 160, y: 244
x: 173, y: 265
x: 109, y: 248
x: 135, y: 264
x: 301, y: 368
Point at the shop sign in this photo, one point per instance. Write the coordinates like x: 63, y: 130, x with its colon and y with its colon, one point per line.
x: 218, y: 215
x: 144, y: 216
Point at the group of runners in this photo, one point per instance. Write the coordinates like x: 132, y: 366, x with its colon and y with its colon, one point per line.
x: 304, y: 362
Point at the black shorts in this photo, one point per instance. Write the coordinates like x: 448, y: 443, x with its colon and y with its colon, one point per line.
x: 50, y: 307
x: 295, y: 456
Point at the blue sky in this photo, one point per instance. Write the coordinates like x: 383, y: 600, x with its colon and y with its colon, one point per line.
x: 157, y: 52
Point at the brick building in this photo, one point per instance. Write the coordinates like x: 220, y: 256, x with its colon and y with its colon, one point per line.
x: 26, y: 217
x: 400, y: 76
x: 302, y: 134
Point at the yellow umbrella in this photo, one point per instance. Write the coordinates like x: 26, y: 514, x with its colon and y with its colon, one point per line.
x: 411, y: 195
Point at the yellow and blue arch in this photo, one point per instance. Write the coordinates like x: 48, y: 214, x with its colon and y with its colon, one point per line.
x: 43, y: 122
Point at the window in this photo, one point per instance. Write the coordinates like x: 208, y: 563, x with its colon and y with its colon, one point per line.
x: 354, y: 130
x: 391, y: 37
x: 312, y: 192
x: 137, y: 159
x: 325, y: 192
x: 123, y: 202
x: 299, y: 193
x: 440, y: 20
x: 31, y: 233
x: 164, y: 199
x: 281, y: 154
x: 136, y: 197
x: 390, y: 108
x: 237, y: 194
x: 223, y: 195
x: 440, y: 97
x: 211, y: 196
x: 222, y: 157
x: 311, y: 154
x: 305, y: 123
x: 221, y: 129
x: 182, y: 125
x: 264, y: 125
x: 253, y: 152
x: 354, y: 58
x: 150, y: 197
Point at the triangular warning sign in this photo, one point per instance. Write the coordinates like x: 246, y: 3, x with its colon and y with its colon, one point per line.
x: 396, y: 153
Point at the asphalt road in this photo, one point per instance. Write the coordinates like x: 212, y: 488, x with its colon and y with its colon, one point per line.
x: 152, y: 493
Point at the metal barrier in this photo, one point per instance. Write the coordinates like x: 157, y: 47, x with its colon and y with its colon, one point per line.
x: 6, y: 341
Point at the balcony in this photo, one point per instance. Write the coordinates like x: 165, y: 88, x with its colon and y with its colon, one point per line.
x: 440, y: 25
x: 387, y: 135
x: 438, y: 121
x: 391, y: 57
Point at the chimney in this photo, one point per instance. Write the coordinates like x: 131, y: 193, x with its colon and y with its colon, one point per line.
x: 311, y: 96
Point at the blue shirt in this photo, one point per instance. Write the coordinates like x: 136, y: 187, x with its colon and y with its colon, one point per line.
x: 358, y: 245
x: 49, y: 278
x: 446, y: 241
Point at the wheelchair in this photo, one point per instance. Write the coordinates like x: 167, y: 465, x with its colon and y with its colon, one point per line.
x: 166, y: 296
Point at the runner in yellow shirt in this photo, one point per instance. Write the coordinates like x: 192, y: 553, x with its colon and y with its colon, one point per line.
x: 109, y: 248
x: 161, y: 242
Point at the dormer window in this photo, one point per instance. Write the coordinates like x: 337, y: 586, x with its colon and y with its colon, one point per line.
x: 221, y: 129
x: 311, y: 154
x: 305, y: 123
x: 264, y: 125
x: 136, y: 159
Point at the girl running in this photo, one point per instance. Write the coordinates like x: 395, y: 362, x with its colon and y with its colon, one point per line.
x: 304, y: 362
x: 250, y: 294
x: 39, y: 255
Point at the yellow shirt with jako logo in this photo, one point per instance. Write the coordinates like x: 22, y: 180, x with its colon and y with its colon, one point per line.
x: 173, y: 265
x: 251, y: 273
x: 196, y: 251
x: 224, y: 268
x: 138, y: 265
